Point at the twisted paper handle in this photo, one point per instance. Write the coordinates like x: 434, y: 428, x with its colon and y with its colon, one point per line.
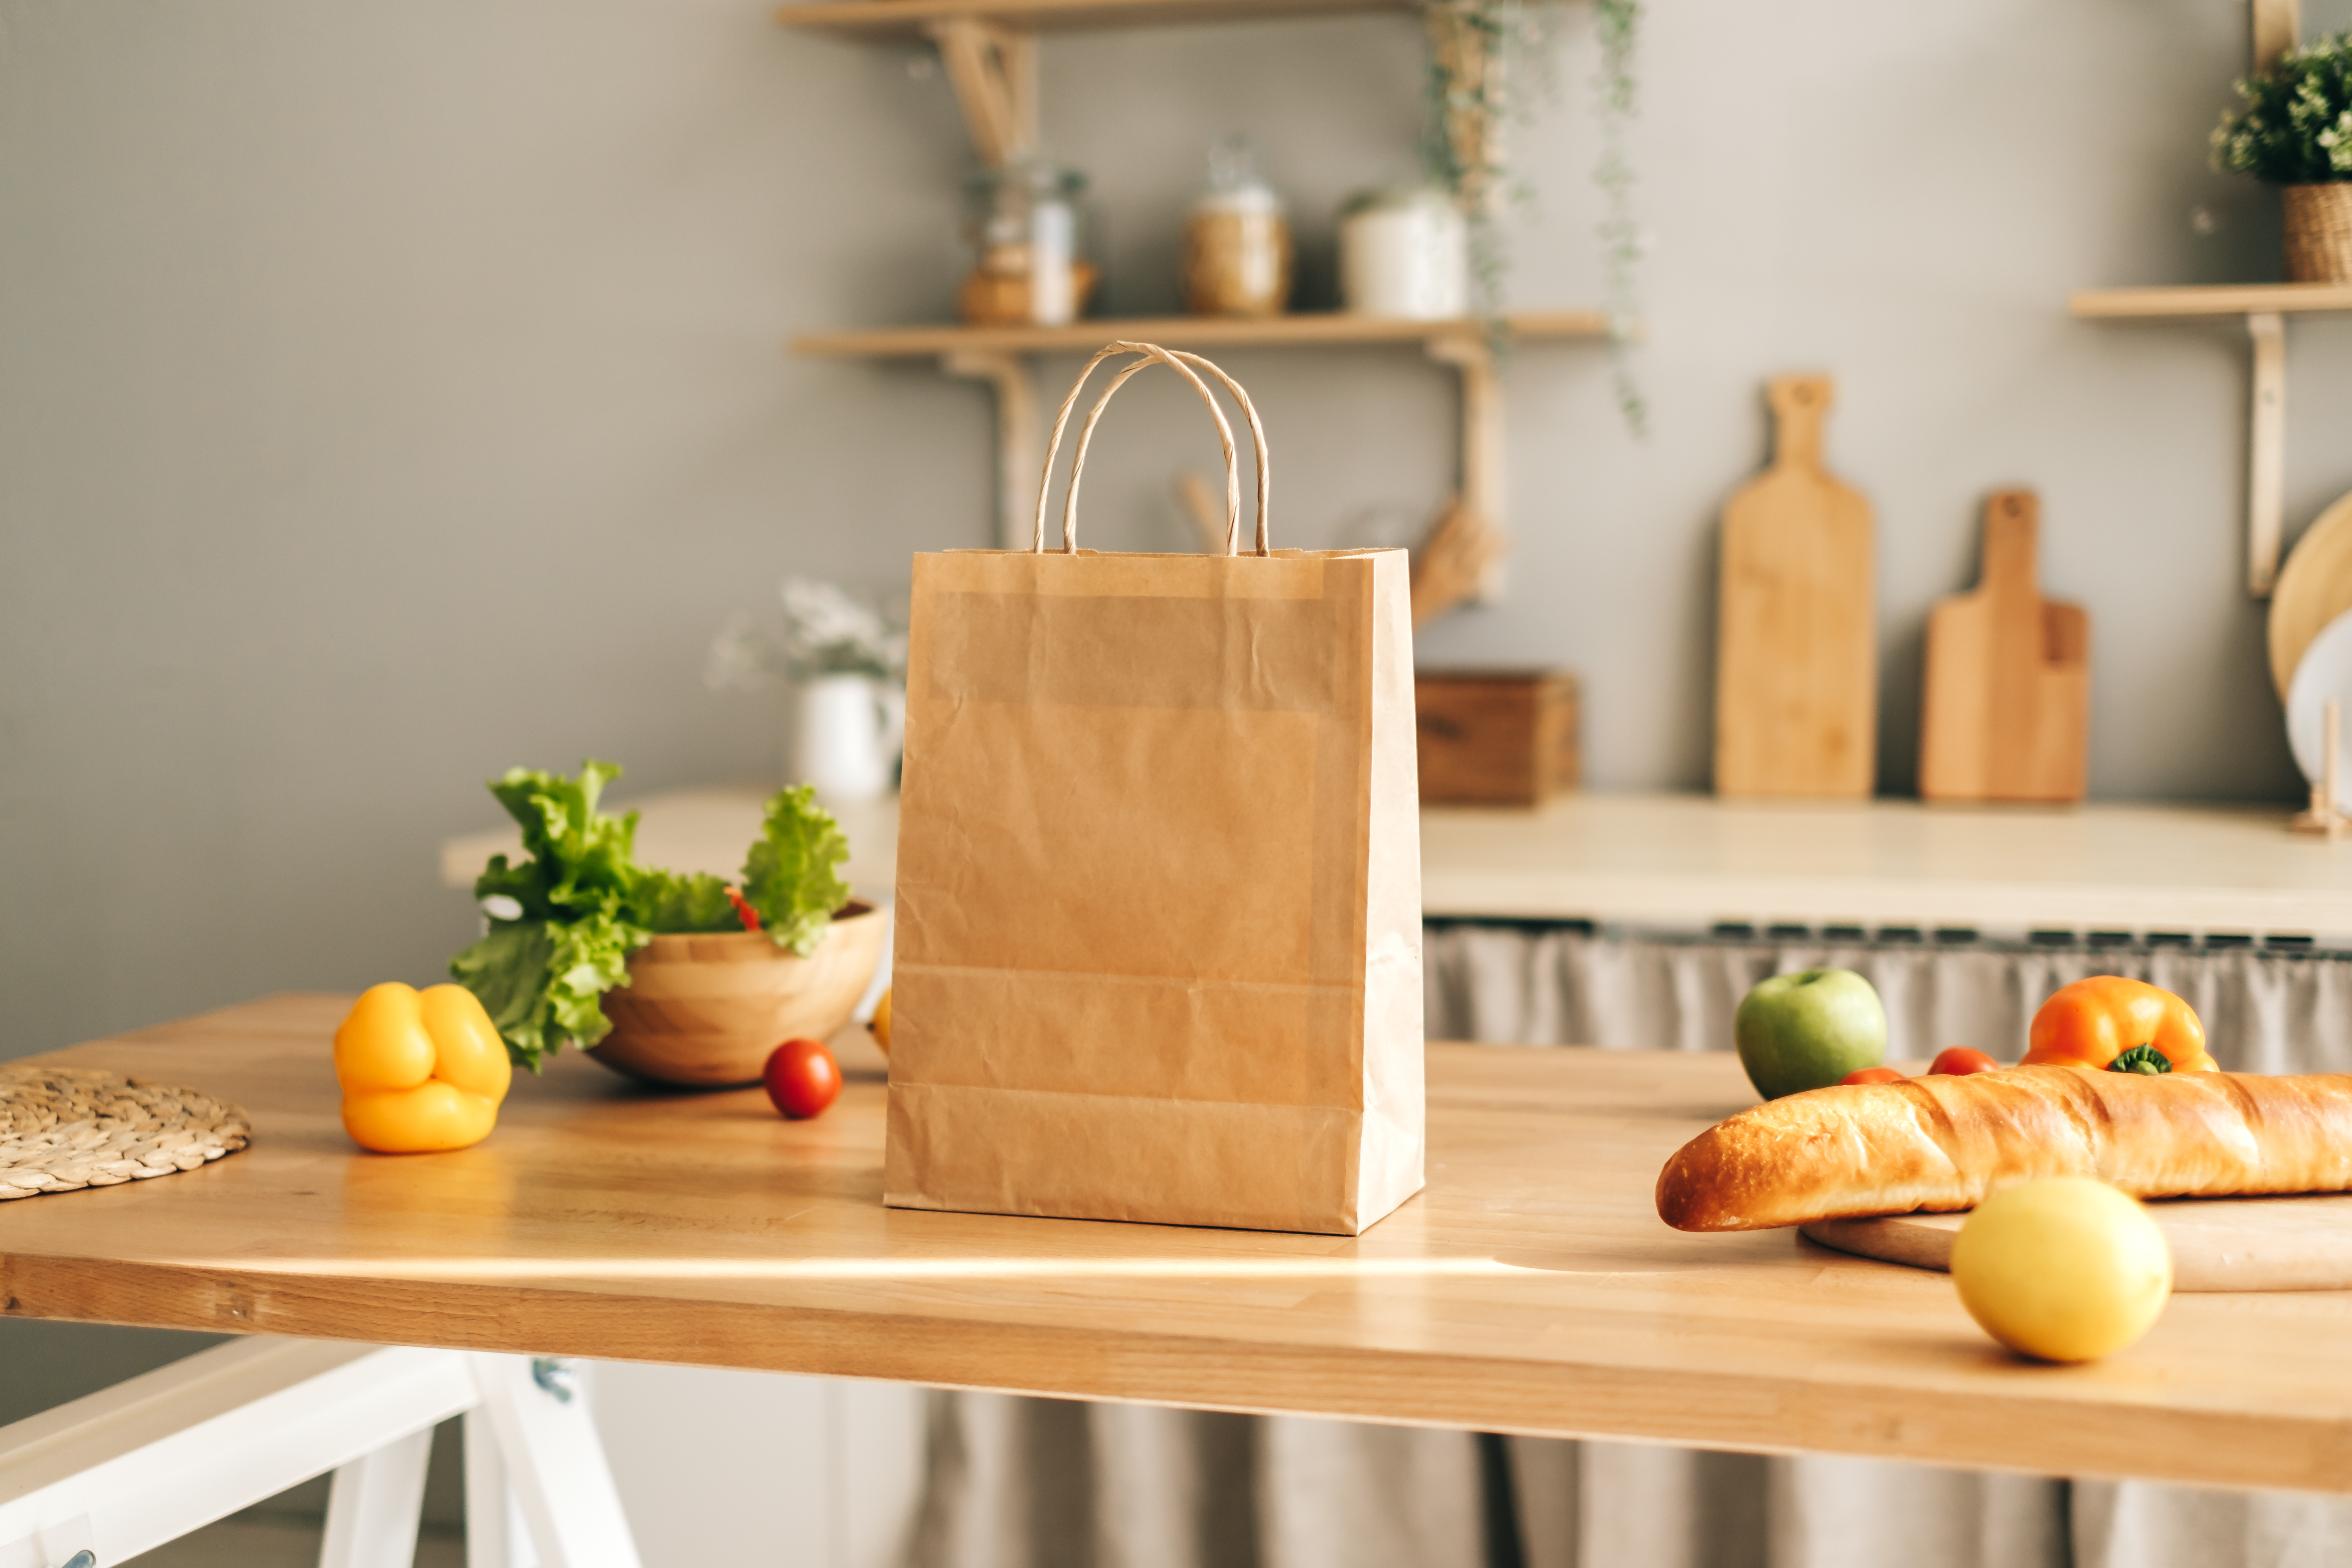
x: 1181, y: 362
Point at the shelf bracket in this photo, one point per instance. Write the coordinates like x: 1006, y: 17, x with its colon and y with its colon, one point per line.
x: 994, y: 70
x: 1461, y: 559
x: 1019, y: 453
x: 2265, y: 451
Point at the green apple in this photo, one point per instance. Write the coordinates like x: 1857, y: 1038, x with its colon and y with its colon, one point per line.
x: 1808, y: 1029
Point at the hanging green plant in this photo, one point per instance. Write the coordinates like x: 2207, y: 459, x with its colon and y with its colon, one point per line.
x: 1618, y: 23
x: 1480, y: 51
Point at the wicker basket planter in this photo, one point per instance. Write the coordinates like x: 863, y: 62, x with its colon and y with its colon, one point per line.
x: 2318, y: 233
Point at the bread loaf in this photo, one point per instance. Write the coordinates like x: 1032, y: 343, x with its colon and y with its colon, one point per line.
x: 1944, y: 1143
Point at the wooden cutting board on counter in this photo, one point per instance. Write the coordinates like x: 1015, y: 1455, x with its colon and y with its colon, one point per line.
x: 2008, y: 701
x: 1795, y: 685
x: 2217, y: 1244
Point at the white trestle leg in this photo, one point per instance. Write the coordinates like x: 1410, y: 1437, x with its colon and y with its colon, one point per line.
x: 132, y: 1466
x: 373, y: 1511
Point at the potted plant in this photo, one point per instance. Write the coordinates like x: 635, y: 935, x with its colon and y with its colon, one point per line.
x: 2293, y: 128
x: 674, y: 978
x: 846, y: 662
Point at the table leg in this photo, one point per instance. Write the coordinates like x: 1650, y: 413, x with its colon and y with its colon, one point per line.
x: 132, y: 1466
x: 555, y: 1465
x: 497, y: 1535
x: 373, y: 1510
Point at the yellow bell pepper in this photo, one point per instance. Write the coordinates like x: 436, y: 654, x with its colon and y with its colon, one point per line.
x: 2122, y: 1026
x: 421, y: 1070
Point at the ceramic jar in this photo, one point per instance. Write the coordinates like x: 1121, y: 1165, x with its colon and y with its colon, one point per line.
x: 1406, y: 254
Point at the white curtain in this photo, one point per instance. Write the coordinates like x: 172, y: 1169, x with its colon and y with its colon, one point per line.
x: 1033, y: 1483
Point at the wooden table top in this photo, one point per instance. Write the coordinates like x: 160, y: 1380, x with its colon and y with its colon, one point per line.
x: 1530, y: 1289
x: 1691, y: 860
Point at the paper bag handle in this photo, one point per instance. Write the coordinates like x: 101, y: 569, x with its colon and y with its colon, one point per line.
x: 1181, y: 362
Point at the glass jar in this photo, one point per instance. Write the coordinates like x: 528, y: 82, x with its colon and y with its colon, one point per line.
x: 1405, y: 253
x: 1024, y: 225
x: 1237, y: 255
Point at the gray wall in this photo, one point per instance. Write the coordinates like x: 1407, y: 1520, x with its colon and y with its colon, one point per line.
x: 391, y: 393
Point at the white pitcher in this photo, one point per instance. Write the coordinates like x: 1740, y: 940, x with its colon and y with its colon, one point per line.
x: 845, y: 731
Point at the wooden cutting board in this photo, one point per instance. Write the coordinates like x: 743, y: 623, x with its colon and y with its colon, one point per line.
x: 2217, y: 1244
x: 2314, y: 589
x: 2007, y: 709
x: 1795, y: 685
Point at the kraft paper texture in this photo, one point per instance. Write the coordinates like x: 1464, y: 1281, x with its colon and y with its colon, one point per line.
x: 1158, y: 923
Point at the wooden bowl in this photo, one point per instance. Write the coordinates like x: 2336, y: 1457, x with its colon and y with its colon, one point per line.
x: 704, y: 1011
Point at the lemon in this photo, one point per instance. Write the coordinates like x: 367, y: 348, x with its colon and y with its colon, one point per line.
x: 880, y: 1025
x: 2064, y: 1269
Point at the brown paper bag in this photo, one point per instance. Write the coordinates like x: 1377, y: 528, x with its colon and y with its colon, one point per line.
x: 1158, y: 926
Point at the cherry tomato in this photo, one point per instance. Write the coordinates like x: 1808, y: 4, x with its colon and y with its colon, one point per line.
x: 802, y: 1079
x: 1959, y: 1062
x: 1871, y: 1075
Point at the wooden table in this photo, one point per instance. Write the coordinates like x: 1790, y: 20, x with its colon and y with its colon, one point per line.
x: 1530, y: 1289
x: 1691, y: 860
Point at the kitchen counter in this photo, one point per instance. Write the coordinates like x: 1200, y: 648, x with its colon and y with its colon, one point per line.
x: 1691, y: 860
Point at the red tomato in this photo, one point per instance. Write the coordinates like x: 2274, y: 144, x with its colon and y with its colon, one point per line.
x: 1871, y: 1075
x: 802, y: 1079
x: 1959, y: 1062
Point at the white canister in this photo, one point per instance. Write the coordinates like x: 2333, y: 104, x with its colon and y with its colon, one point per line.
x: 844, y: 737
x: 1405, y: 253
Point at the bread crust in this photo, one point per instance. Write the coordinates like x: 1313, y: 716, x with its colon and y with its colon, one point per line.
x: 1943, y: 1143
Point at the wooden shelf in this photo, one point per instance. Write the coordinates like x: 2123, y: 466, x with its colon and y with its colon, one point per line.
x: 2208, y: 299
x: 899, y: 21
x: 1330, y: 329
x: 2265, y: 307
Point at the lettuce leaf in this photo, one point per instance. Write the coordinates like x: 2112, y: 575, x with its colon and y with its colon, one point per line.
x: 674, y: 901
x: 581, y: 861
x: 541, y: 981
x: 540, y: 975
x: 793, y: 873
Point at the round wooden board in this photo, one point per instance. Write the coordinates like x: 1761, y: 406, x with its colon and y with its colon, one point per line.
x: 2217, y: 1244
x: 2315, y: 587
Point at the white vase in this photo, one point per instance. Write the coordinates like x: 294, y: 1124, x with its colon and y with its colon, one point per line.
x: 843, y: 736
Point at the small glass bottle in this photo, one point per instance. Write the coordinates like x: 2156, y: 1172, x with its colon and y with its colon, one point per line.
x: 1237, y: 255
x: 1025, y: 226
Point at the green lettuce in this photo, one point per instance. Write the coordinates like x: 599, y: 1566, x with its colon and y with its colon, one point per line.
x: 542, y: 982
x: 581, y: 861
x: 682, y: 902
x: 579, y: 903
x: 540, y: 971
x: 793, y: 873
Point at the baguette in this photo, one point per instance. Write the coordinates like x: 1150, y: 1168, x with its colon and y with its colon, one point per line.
x: 1944, y: 1143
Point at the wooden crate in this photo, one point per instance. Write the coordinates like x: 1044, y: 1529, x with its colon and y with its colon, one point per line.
x: 1495, y: 737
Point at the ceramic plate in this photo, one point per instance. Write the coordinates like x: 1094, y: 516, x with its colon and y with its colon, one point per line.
x: 2324, y: 671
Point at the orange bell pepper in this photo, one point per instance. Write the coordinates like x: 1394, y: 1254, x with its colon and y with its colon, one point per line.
x: 2093, y: 1022
x: 421, y: 1070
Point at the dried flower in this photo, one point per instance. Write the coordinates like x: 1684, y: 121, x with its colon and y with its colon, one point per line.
x: 826, y: 631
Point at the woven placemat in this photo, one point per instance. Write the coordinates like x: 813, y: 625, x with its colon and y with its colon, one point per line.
x: 63, y: 1128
